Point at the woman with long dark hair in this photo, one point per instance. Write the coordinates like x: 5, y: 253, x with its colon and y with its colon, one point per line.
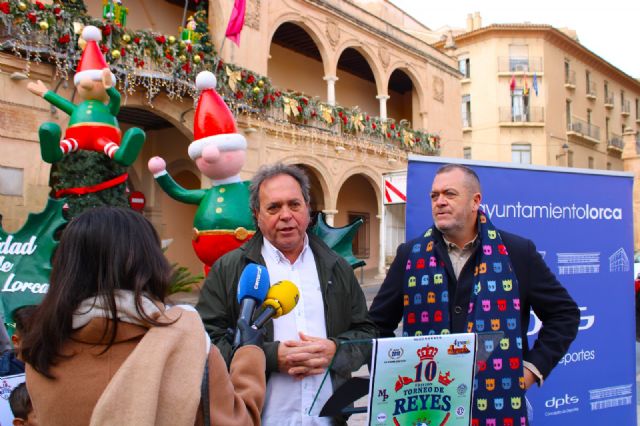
x: 104, y: 349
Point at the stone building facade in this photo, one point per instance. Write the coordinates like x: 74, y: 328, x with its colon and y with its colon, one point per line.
x: 338, y: 51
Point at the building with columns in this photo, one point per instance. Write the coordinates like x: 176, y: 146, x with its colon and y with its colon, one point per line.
x: 343, y: 53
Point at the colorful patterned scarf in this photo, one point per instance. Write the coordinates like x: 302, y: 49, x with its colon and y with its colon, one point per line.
x: 494, y: 305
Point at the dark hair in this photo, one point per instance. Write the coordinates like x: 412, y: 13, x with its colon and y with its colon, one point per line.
x: 101, y: 250
x: 473, y: 181
x: 269, y: 171
x: 20, y: 402
x: 22, y: 317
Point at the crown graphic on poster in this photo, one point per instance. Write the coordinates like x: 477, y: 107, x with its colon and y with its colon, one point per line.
x: 426, y: 353
x: 445, y: 379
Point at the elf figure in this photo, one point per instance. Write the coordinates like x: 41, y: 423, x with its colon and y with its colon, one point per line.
x: 93, y: 125
x: 223, y: 221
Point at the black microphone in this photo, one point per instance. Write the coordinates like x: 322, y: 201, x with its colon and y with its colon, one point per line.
x: 252, y: 289
x: 281, y: 299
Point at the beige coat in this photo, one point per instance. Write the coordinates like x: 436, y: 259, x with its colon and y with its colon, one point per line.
x: 158, y: 380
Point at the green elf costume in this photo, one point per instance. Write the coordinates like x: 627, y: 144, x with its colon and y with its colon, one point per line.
x: 223, y: 220
x: 93, y: 125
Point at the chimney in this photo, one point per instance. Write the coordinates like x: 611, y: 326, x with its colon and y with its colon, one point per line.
x: 477, y: 21
x: 469, y: 22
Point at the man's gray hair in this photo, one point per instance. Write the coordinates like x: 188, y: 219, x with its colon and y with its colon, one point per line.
x: 269, y: 171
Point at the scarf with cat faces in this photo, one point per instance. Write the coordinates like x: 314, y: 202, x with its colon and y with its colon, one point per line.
x: 494, y: 305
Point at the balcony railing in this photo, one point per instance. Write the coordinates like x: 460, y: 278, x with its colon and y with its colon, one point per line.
x: 615, y: 142
x: 520, y: 64
x: 466, y: 122
x: 570, y: 79
x: 626, y: 108
x: 584, y: 129
x: 609, y: 100
x: 592, y: 90
x: 531, y: 115
x: 163, y: 69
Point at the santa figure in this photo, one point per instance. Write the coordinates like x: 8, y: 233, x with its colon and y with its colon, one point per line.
x: 93, y: 125
x: 223, y: 221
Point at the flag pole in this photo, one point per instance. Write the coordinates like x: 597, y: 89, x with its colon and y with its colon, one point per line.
x: 224, y: 38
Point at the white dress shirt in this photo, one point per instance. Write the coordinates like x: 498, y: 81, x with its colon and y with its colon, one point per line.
x: 288, y: 400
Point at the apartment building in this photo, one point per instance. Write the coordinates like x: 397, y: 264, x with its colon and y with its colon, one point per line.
x: 532, y: 94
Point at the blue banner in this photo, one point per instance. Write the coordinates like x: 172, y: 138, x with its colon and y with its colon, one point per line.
x: 582, y: 223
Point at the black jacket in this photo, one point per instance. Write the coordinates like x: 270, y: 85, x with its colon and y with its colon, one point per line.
x: 539, y: 290
x: 345, y: 307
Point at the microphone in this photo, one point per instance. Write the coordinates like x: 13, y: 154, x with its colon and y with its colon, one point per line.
x: 252, y: 289
x: 282, y: 297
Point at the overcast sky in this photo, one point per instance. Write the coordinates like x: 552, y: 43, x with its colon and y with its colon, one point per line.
x: 610, y: 29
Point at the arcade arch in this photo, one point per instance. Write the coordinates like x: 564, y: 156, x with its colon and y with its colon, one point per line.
x: 404, y: 97
x: 356, y: 81
x: 357, y: 198
x: 294, y: 45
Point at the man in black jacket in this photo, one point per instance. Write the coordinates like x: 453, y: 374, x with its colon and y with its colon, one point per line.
x: 458, y: 245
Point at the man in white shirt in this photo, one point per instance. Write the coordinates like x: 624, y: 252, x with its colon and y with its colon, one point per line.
x: 332, y: 307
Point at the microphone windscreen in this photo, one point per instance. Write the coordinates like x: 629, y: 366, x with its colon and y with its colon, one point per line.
x: 253, y: 283
x: 283, y: 296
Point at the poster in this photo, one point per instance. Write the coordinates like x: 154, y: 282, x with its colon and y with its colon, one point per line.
x: 422, y: 380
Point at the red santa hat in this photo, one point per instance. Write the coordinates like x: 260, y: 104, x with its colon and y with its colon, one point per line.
x: 213, y: 122
x: 92, y: 61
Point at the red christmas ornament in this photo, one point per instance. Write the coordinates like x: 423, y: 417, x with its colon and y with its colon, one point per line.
x: 239, y: 95
x: 161, y: 39
x: 169, y: 57
x: 373, y: 126
x: 136, y: 40
x: 392, y: 126
x: 106, y: 30
x: 251, y: 79
x: 189, y: 48
x: 186, y: 67
x: 305, y: 101
x: 4, y: 7
x: 64, y: 39
x: 31, y: 16
x: 39, y: 5
x: 299, y: 108
x: 123, y: 51
x: 57, y: 11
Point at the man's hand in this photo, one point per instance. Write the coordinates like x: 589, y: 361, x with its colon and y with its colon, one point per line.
x: 529, y: 378
x: 305, y: 357
x: 107, y: 81
x: 38, y: 88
